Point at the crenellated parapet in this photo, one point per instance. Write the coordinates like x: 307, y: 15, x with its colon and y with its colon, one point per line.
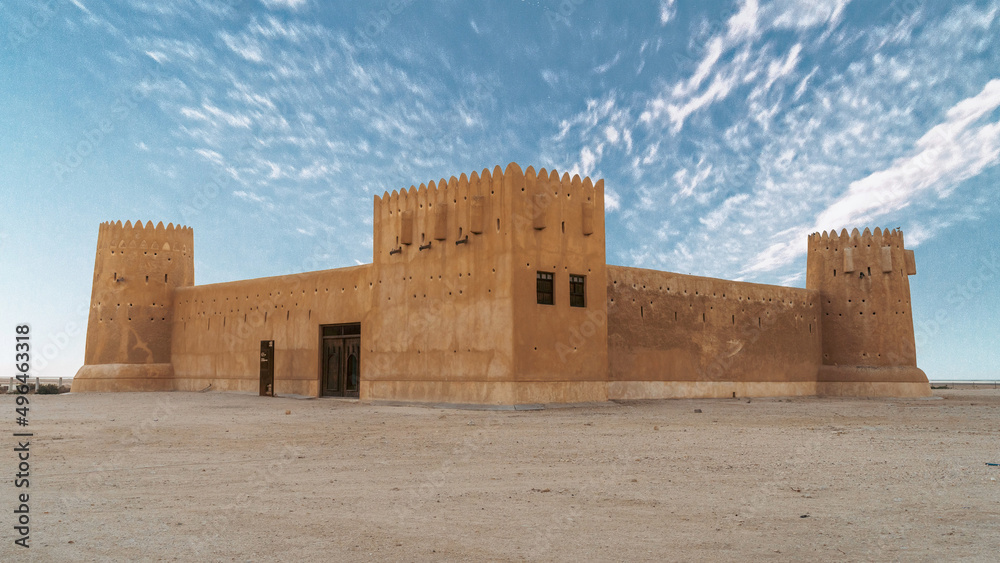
x: 486, y: 202
x: 115, y: 235
x: 439, y: 211
x: 128, y: 250
x: 894, y: 237
x: 549, y: 196
x: 852, y: 246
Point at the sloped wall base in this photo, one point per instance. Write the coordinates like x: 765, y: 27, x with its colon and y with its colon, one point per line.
x: 106, y: 378
x: 872, y: 381
x: 638, y: 390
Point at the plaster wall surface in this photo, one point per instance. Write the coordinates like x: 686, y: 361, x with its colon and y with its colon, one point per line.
x: 558, y: 228
x: 218, y: 328
x: 441, y: 323
x: 455, y: 316
x: 136, y: 269
x: 868, y: 341
x: 865, y: 292
x: 673, y: 335
x: 135, y: 272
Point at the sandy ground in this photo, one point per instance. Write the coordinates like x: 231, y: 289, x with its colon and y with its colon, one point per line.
x: 213, y: 476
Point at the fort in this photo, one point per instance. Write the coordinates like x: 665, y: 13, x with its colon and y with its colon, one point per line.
x: 493, y: 288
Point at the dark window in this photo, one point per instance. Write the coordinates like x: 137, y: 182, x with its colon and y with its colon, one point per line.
x: 342, y: 330
x: 577, y: 291
x: 543, y: 285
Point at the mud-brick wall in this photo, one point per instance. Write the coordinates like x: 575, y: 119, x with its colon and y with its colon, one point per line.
x: 558, y: 228
x: 441, y: 320
x: 864, y: 285
x: 671, y: 335
x: 136, y: 271
x: 218, y: 328
x: 455, y: 315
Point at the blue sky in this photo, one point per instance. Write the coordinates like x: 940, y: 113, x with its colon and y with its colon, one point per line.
x: 725, y: 132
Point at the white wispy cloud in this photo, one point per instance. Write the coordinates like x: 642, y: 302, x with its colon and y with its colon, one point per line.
x: 80, y: 5
x: 157, y: 56
x: 744, y: 24
x: 604, y: 67
x: 612, y: 201
x: 285, y: 4
x: 192, y: 113
x: 231, y: 119
x: 743, y: 29
x: 210, y: 156
x: 718, y: 216
x: 782, y: 68
x: 795, y: 14
x: 550, y: 77
x: 262, y: 201
x: 807, y: 148
x: 667, y: 11
x: 688, y: 182
x: 948, y: 154
x: 245, y: 47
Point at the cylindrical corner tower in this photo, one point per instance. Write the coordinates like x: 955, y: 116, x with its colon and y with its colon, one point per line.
x: 867, y: 321
x: 131, y: 314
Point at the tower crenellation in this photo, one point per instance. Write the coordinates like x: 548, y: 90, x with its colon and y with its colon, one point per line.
x: 145, y: 238
x: 450, y: 209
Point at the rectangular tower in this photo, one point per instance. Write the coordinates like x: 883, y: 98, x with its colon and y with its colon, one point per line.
x: 867, y: 321
x: 456, y: 315
x: 136, y: 270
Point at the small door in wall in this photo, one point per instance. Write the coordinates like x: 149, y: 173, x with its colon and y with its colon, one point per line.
x: 266, y: 368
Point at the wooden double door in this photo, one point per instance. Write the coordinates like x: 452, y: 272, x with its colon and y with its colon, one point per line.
x: 340, y: 369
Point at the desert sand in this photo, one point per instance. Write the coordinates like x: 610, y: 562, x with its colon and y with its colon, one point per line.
x: 236, y: 477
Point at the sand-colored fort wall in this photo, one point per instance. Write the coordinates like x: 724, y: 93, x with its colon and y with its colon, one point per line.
x: 673, y: 336
x: 441, y: 324
x: 218, y: 328
x: 557, y: 224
